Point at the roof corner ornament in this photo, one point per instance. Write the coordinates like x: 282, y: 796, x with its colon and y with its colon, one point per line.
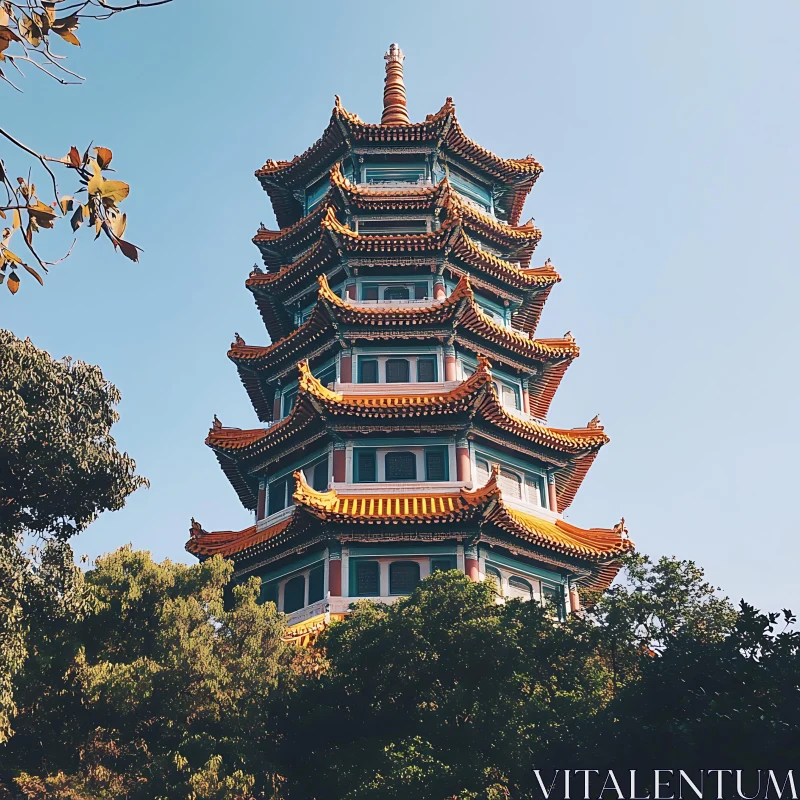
x: 196, y: 529
x: 569, y: 337
x: 238, y: 340
x: 620, y: 529
x: 216, y: 425
x: 394, y: 89
x: 594, y: 423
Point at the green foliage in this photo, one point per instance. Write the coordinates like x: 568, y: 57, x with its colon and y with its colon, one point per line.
x: 444, y: 692
x: 59, y: 469
x: 168, y: 681
x: 59, y: 465
x: 158, y: 691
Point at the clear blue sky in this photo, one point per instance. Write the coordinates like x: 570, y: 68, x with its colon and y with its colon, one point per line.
x: 669, y: 203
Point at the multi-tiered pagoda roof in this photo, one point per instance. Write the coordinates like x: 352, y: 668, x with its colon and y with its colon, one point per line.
x: 404, y: 393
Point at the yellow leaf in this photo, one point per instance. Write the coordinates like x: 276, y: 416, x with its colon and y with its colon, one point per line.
x: 13, y: 283
x: 69, y: 36
x: 67, y: 203
x: 12, y: 257
x: 16, y: 219
x: 3, y: 18
x: 96, y: 181
x: 85, y: 211
x: 118, y: 223
x: 30, y: 30
x: 114, y: 190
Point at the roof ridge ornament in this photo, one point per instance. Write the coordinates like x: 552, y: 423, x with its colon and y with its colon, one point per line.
x: 394, y: 89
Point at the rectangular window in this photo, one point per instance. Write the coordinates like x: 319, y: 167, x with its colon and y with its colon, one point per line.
x: 436, y: 465
x: 405, y: 174
x: 369, y: 291
x: 469, y: 188
x: 443, y: 563
x: 316, y: 584
x: 403, y: 577
x: 401, y: 467
x: 420, y: 291
x: 367, y: 370
x: 554, y: 596
x: 294, y: 594
x: 391, y: 226
x: 367, y: 578
x: 397, y: 370
x: 365, y: 466
x: 426, y: 370
x: 535, y: 487
x: 510, y: 397
x: 319, y: 480
x: 288, y: 402
x: 396, y: 293
x: 277, y: 496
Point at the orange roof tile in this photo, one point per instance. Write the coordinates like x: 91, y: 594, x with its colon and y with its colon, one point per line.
x: 598, y: 547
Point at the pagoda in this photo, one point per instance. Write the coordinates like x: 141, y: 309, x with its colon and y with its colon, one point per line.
x: 404, y: 396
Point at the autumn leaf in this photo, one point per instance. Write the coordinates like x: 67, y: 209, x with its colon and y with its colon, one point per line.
x: 34, y: 273
x: 12, y: 257
x: 129, y: 250
x: 118, y: 223
x: 76, y: 220
x: 103, y: 156
x: 16, y: 219
x: 96, y: 181
x: 74, y: 156
x: 115, y: 191
x: 67, y: 203
x: 30, y: 30
x: 13, y: 283
x: 69, y: 36
x: 42, y: 214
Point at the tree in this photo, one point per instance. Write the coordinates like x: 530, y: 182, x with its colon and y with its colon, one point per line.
x: 159, y: 690
x: 444, y: 694
x: 28, y: 31
x: 59, y: 469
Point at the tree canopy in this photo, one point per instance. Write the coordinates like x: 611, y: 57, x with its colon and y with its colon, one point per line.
x: 159, y: 687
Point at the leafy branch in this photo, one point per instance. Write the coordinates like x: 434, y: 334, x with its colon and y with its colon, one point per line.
x: 29, y: 214
x: 28, y: 28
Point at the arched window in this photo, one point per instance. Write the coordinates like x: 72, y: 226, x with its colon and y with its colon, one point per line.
x: 494, y: 575
x: 294, y: 594
x: 482, y: 471
x: 397, y: 370
x: 396, y: 293
x: 510, y: 484
x: 517, y: 587
x: 403, y: 577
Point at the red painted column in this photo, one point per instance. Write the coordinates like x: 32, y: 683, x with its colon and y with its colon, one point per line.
x: 551, y: 492
x: 345, y: 368
x: 463, y: 466
x: 351, y: 291
x: 449, y: 363
x: 574, y: 600
x: 335, y: 576
x: 471, y: 564
x: 261, y: 504
x: 526, y: 399
x: 439, y: 291
x: 339, y: 465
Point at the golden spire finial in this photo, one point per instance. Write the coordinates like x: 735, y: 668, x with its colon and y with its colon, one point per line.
x: 394, y: 89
